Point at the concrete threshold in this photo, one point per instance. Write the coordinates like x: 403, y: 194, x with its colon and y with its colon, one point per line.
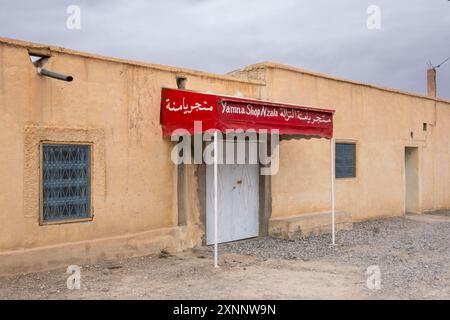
x: 307, y: 224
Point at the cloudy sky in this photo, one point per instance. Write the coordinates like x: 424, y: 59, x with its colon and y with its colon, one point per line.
x: 222, y: 35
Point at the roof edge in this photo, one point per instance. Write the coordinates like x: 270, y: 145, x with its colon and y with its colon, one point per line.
x: 276, y: 65
x: 185, y: 71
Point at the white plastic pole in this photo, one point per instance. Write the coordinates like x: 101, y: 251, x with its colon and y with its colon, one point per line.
x: 216, y: 218
x: 333, y: 213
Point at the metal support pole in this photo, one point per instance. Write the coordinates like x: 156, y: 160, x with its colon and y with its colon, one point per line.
x: 216, y: 216
x: 333, y: 213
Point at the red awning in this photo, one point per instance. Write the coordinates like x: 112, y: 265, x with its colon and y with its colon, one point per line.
x: 180, y: 108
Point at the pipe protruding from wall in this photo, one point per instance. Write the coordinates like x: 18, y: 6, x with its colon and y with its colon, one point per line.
x: 431, y: 82
x: 54, y: 75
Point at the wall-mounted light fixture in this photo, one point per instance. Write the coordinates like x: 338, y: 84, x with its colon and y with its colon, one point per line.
x: 181, y: 82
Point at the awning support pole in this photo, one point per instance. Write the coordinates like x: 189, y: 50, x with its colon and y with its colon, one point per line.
x: 333, y: 213
x: 216, y: 223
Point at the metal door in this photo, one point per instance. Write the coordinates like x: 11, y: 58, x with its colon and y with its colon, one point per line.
x: 238, y: 202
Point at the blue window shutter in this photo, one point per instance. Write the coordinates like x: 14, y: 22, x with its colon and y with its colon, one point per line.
x: 66, y: 185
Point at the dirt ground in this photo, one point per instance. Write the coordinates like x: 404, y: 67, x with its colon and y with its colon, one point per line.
x: 190, y: 275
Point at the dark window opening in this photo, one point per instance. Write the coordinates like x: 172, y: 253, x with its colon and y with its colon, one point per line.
x: 345, y: 160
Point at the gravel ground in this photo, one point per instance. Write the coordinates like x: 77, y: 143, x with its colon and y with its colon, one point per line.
x: 413, y: 256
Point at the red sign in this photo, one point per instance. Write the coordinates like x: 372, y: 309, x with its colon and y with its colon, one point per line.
x: 180, y: 109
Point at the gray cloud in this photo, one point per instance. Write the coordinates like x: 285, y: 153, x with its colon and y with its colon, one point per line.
x: 222, y: 35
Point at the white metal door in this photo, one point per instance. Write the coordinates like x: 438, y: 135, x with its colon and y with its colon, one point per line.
x: 238, y: 202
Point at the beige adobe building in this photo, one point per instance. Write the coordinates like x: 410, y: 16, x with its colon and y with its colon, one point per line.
x: 397, y: 158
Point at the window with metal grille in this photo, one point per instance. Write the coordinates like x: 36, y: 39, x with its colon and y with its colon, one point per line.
x: 65, y: 182
x: 345, y: 160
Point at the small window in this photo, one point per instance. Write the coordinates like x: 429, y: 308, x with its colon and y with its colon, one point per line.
x: 65, y: 182
x: 345, y: 160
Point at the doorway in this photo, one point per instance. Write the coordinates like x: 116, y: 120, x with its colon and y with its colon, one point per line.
x: 412, y: 180
x: 238, y: 200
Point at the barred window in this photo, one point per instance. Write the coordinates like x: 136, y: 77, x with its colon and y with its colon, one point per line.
x: 65, y: 182
x: 345, y: 160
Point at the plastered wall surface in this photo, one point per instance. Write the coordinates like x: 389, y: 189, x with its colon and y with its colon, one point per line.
x: 381, y: 123
x: 115, y: 104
